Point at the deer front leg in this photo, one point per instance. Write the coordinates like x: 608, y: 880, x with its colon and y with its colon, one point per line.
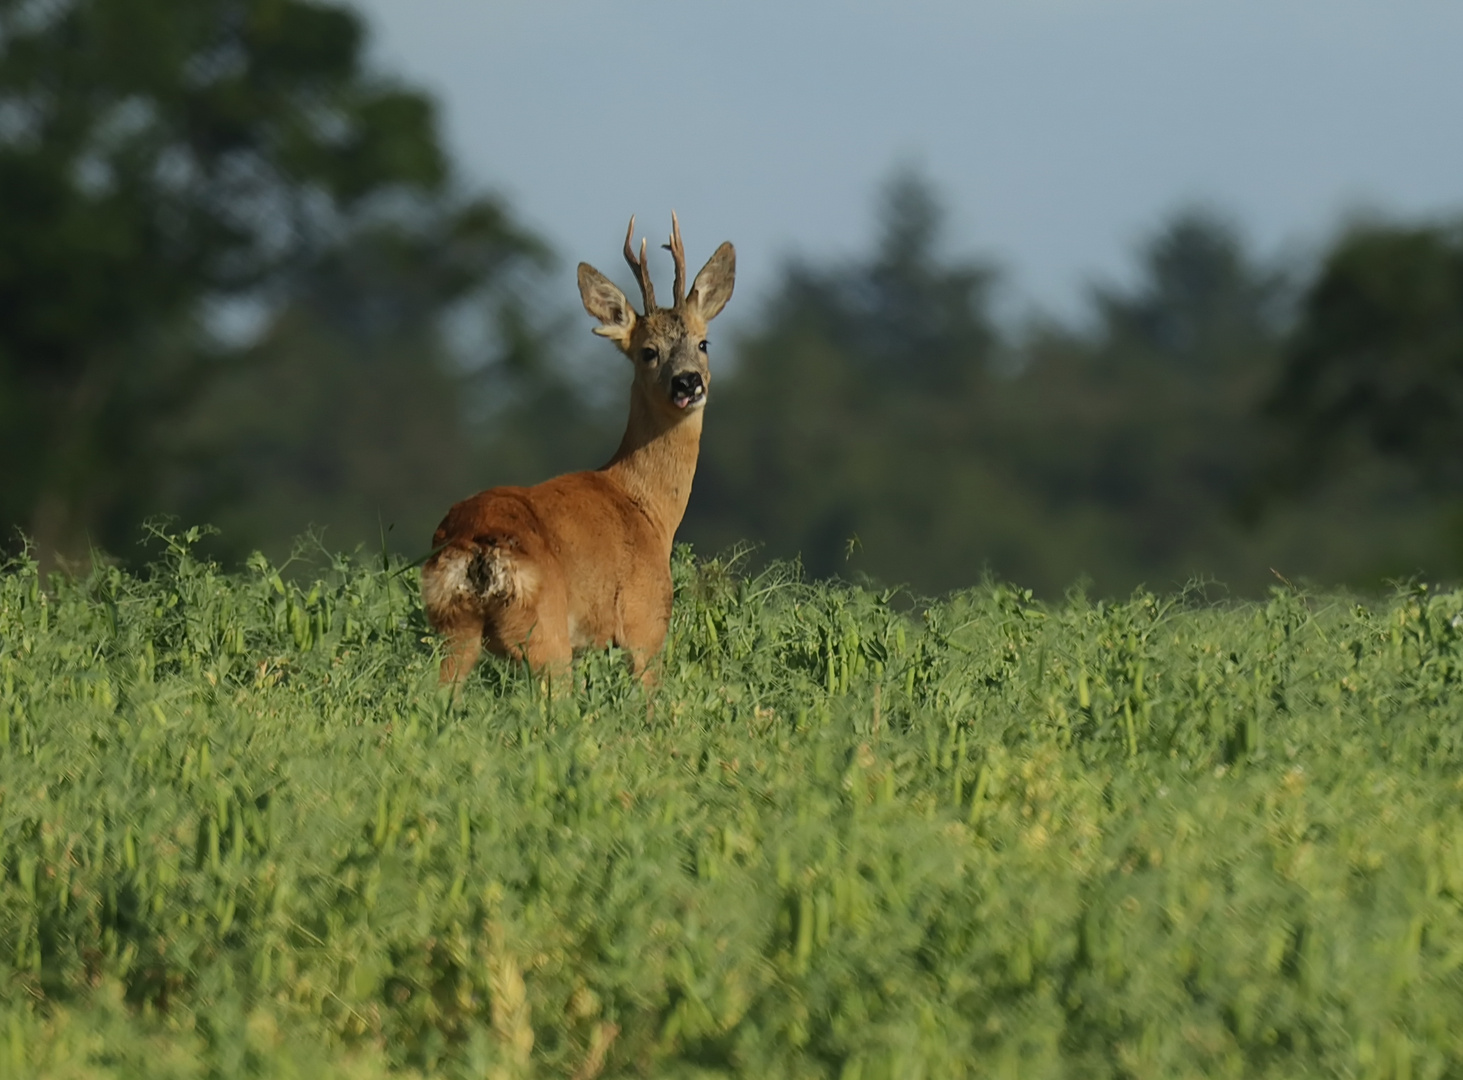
x: 642, y: 635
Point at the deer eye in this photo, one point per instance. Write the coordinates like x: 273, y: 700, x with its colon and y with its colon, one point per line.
x: 648, y: 354
x: 702, y: 346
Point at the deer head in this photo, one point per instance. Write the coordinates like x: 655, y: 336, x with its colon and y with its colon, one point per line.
x: 667, y: 345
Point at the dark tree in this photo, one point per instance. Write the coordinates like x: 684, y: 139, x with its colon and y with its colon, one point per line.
x: 1201, y: 299
x: 1377, y: 359
x: 357, y: 411
x: 876, y: 400
x: 159, y: 159
x: 849, y: 403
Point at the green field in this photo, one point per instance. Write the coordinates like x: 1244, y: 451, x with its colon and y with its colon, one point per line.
x: 242, y: 833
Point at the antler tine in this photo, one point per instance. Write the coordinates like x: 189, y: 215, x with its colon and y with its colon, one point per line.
x: 642, y: 272
x: 678, y: 253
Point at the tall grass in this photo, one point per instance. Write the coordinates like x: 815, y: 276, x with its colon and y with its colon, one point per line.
x: 243, y: 833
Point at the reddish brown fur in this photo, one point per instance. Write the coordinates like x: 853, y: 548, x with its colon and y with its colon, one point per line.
x: 583, y: 561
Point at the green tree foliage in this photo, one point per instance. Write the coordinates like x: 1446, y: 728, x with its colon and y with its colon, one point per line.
x: 158, y: 158
x: 1138, y: 433
x: 876, y: 421
x: 1376, y: 362
x: 855, y: 378
x: 356, y: 413
x: 1202, y: 299
x: 872, y: 403
x: 167, y: 164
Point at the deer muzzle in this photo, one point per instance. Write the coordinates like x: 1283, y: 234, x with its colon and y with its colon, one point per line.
x: 687, y: 389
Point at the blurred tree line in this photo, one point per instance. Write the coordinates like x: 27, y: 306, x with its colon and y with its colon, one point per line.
x: 239, y: 283
x: 1219, y: 418
x: 231, y: 257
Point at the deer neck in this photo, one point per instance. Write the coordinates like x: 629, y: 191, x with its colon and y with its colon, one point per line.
x: 656, y: 462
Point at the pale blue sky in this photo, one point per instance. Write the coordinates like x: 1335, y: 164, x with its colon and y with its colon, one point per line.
x: 1058, y: 131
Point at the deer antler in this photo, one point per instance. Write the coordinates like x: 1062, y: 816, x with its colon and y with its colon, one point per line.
x: 678, y: 253
x: 642, y: 271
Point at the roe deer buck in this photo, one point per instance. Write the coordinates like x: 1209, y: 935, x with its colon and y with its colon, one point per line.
x: 583, y: 560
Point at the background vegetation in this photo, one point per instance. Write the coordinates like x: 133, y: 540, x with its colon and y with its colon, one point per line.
x: 242, y: 833
x: 240, y: 283
x: 855, y: 834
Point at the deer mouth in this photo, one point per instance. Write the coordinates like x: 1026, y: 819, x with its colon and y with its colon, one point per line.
x: 687, y: 390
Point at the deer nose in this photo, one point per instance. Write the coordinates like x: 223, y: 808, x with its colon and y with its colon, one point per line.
x: 687, y: 384
x: 687, y: 389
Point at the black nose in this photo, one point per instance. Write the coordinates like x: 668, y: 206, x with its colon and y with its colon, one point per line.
x: 687, y: 384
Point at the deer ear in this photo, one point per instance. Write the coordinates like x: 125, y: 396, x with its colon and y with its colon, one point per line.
x: 713, y: 285
x: 607, y: 303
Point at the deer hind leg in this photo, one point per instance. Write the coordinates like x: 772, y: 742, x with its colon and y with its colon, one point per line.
x: 454, y: 609
x: 535, y: 631
x: 476, y: 594
x: 464, y: 645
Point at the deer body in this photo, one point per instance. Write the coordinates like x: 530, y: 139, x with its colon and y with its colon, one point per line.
x: 582, y: 561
